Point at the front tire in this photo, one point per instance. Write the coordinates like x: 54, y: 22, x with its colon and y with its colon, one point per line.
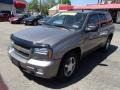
x: 68, y: 67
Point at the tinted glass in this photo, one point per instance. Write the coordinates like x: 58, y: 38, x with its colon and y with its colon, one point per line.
x: 71, y: 20
x: 109, y: 19
x: 93, y: 19
x: 45, y: 18
x: 103, y: 19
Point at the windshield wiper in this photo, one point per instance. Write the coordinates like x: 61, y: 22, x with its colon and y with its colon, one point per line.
x: 62, y: 26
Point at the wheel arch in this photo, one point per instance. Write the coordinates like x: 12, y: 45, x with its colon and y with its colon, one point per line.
x: 76, y: 50
x: 110, y: 36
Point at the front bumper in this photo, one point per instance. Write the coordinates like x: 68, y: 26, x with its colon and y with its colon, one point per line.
x: 39, y: 68
x: 28, y: 23
x: 14, y: 21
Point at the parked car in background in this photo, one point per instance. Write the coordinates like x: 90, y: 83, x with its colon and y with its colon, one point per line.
x: 33, y: 20
x: 42, y: 21
x: 5, y: 15
x: 19, y: 19
x: 56, y: 48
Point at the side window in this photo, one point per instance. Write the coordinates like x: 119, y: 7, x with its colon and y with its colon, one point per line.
x: 103, y: 20
x: 93, y: 19
x: 79, y: 20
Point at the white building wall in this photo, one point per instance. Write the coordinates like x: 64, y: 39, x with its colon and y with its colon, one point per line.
x: 9, y: 7
x: 6, y: 6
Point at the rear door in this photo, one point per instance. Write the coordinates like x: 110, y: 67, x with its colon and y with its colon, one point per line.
x: 104, y: 27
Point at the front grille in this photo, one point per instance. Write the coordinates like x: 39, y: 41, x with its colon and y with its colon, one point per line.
x: 22, y: 47
x: 22, y: 51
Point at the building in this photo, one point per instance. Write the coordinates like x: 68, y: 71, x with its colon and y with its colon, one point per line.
x: 110, y: 1
x: 20, y: 7
x: 15, y: 6
x: 59, y: 8
x: 114, y: 9
x: 6, y: 5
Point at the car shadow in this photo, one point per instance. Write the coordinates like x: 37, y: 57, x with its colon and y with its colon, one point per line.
x: 86, y: 66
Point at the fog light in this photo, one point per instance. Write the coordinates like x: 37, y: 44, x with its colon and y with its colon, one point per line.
x: 39, y: 71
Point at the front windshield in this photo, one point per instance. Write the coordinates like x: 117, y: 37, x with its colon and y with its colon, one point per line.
x: 69, y: 20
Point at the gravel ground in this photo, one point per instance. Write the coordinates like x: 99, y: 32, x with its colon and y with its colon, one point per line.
x: 98, y: 71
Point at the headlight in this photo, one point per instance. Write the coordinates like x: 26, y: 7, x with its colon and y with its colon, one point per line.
x: 11, y: 43
x: 43, y: 51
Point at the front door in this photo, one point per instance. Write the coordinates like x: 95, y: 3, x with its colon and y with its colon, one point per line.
x: 91, y: 38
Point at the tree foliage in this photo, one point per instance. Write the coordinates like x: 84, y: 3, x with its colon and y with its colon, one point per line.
x: 51, y: 2
x: 35, y: 5
x: 64, y: 2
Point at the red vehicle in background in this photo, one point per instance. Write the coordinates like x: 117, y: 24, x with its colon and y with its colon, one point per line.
x: 18, y: 19
x: 5, y: 15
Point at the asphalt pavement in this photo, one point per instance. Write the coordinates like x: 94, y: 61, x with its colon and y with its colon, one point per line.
x: 98, y: 71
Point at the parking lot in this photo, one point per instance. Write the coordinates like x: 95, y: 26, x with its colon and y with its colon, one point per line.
x: 98, y: 71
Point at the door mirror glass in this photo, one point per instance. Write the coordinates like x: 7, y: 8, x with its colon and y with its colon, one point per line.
x: 91, y: 28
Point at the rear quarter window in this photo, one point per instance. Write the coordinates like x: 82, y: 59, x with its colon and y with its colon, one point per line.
x: 105, y: 19
x: 109, y: 19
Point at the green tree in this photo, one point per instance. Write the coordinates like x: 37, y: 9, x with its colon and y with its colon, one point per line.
x: 64, y: 2
x: 33, y: 5
x: 51, y: 3
x: 45, y: 5
x: 42, y: 7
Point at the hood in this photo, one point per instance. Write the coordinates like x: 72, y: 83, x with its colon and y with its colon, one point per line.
x: 43, y: 34
x: 13, y: 18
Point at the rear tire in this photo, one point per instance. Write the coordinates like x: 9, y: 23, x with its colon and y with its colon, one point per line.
x: 35, y: 23
x: 68, y: 66
x: 106, y: 47
x: 26, y: 24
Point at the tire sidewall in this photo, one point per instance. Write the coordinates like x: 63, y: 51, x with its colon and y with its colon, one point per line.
x: 35, y: 23
x: 61, y: 75
x: 107, y: 45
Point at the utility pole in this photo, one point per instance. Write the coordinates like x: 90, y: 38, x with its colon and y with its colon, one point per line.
x: 101, y: 1
x: 98, y: 1
x: 61, y: 1
x: 40, y: 7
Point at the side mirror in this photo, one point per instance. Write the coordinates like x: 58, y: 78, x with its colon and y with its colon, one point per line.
x: 91, y: 28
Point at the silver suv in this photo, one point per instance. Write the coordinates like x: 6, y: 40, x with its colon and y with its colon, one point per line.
x: 55, y: 48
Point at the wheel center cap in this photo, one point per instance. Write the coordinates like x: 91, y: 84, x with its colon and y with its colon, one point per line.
x: 70, y: 67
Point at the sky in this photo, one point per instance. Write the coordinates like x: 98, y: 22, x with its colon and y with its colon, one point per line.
x: 80, y: 2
